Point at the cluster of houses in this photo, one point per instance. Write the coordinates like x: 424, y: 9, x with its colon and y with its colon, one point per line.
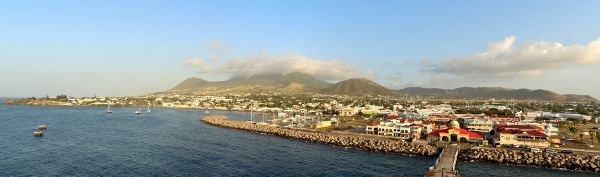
x: 418, y: 122
x: 474, y: 129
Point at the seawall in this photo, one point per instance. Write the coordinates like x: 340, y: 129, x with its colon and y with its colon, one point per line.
x: 370, y: 144
x: 525, y: 158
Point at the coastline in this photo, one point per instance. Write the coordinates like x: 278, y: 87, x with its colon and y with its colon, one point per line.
x: 371, y: 144
x: 581, y: 163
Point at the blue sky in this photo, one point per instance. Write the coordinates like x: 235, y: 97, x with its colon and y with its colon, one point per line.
x: 128, y: 48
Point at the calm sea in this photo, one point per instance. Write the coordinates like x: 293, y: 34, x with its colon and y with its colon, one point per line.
x: 85, y: 141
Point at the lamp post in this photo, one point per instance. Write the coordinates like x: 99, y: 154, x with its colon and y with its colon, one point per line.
x: 442, y: 171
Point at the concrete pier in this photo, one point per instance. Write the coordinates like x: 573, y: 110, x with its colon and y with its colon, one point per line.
x: 445, y: 166
x: 344, y: 140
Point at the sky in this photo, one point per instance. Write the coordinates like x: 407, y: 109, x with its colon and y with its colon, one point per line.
x: 130, y: 48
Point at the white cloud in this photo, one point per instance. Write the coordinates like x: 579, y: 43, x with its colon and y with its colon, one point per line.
x: 401, y: 85
x: 396, y: 76
x: 193, y: 62
x: 505, y: 60
x: 385, y: 64
x: 261, y: 63
x: 215, y: 57
x: 370, y: 75
x: 205, y: 70
x: 424, y: 62
x: 217, y: 45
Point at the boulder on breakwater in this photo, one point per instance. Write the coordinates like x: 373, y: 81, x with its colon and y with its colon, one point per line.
x: 525, y: 158
x: 328, y: 138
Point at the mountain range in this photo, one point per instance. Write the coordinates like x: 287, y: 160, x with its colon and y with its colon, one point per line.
x: 297, y: 82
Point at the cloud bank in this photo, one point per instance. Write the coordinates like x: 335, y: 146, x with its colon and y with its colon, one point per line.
x: 192, y: 62
x: 217, y: 45
x: 261, y: 63
x: 505, y: 60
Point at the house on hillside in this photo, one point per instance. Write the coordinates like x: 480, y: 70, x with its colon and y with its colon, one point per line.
x: 347, y: 111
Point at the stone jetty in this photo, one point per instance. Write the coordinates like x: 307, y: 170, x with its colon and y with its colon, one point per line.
x: 364, y: 143
x: 525, y: 158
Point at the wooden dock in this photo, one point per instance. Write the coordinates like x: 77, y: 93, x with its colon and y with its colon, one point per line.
x: 445, y: 166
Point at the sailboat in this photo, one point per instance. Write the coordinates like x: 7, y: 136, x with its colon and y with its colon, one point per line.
x: 251, y: 114
x: 108, y: 111
x: 263, y: 121
x: 148, y: 108
x: 139, y: 111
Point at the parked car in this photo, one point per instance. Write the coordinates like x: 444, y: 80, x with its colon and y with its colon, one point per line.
x: 535, y: 150
x: 569, y: 139
x: 566, y: 151
x: 548, y: 150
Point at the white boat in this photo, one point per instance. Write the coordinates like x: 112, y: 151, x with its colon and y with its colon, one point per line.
x: 148, y: 108
x: 251, y: 114
x: 138, y: 111
x: 108, y: 109
x: 206, y: 112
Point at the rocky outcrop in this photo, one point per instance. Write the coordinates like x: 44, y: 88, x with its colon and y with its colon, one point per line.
x: 525, y: 158
x: 335, y: 139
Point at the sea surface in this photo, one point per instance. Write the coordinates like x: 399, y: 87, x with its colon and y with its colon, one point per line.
x: 86, y: 141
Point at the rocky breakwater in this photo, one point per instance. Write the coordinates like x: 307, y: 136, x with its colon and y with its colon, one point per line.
x: 328, y: 138
x: 526, y: 158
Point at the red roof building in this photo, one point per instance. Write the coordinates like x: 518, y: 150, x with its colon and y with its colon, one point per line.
x: 455, y: 134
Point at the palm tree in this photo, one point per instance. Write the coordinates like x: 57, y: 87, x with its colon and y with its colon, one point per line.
x: 573, y: 130
x: 592, y: 136
x: 581, y: 136
x: 598, y: 137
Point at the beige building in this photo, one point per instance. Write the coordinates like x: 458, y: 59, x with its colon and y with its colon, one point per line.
x: 347, y: 112
x: 480, y: 125
x: 323, y: 124
x: 531, y: 138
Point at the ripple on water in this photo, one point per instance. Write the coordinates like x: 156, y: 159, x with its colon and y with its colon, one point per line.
x: 85, y: 141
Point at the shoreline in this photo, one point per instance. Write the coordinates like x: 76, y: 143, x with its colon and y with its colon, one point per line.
x: 579, y: 163
x: 371, y: 144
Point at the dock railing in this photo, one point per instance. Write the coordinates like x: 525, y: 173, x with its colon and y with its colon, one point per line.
x: 440, y: 157
x: 455, y: 158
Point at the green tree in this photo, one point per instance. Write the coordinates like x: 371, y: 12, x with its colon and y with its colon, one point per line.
x: 372, y: 114
x: 581, y: 109
x: 574, y: 121
x: 493, y: 111
x: 461, y: 122
x: 573, y: 130
x: 461, y: 111
x: 592, y: 136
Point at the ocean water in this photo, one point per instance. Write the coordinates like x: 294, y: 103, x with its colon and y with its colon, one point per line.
x: 85, y: 141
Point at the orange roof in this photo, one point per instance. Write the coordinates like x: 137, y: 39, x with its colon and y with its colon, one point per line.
x: 416, y: 125
x: 521, y: 127
x: 518, y: 132
x: 472, y: 135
